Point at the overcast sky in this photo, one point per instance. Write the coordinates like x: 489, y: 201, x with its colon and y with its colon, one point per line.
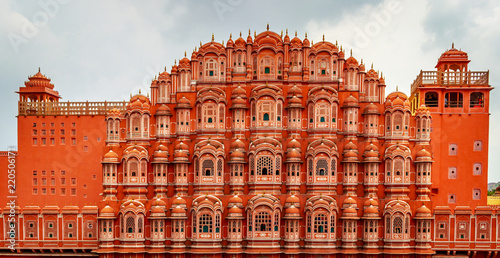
x: 105, y: 50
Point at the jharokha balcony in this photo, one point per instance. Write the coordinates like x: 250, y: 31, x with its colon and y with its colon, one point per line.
x: 450, y: 78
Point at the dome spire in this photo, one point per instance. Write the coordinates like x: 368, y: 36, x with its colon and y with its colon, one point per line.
x: 267, y: 26
x: 323, y: 37
x: 212, y: 37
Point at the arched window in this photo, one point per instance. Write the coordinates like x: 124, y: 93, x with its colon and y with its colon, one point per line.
x: 263, y: 221
x: 266, y: 117
x: 130, y: 224
x: 211, y: 68
x: 264, y: 166
x: 477, y: 99
x: 205, y: 223
x: 208, y: 167
x: 321, y: 167
x: 453, y: 100
x: 397, y: 225
x: 431, y: 99
x: 320, y: 223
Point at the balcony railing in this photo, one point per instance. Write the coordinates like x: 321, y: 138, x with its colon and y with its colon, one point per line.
x: 69, y: 108
x: 450, y: 78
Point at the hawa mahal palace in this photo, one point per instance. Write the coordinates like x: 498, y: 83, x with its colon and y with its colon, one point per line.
x: 269, y: 146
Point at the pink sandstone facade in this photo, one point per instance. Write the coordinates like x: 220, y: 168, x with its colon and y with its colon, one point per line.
x: 260, y: 147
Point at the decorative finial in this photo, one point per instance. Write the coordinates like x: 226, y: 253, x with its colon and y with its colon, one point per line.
x: 165, y: 68
x: 351, y: 52
x: 306, y: 35
x: 230, y: 35
x: 130, y: 95
x: 212, y: 37
x: 336, y: 43
x: 452, y: 44
x: 175, y: 61
x: 267, y: 26
x: 249, y: 33
x: 223, y: 42
x: 254, y: 33
x: 200, y: 44
x: 312, y: 42
x: 323, y: 37
x: 295, y: 33
x: 397, y: 88
x: 185, y: 54
x: 372, y: 65
x: 240, y: 34
x: 281, y: 33
x: 39, y: 69
x: 139, y: 91
x: 286, y: 31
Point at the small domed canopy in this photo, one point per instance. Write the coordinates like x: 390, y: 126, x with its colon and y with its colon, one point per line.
x: 371, y: 210
x: 350, y: 101
x: 423, y: 153
x: 292, y: 199
x: 293, y: 144
x: 110, y: 157
x: 163, y: 110
x: 235, y: 200
x: 349, y: 201
x: 397, y: 94
x: 107, y: 211
x: 370, y: 202
x: 235, y: 210
x: 237, y: 154
x: 350, y: 146
x: 423, y: 213
x: 237, y: 144
x: 351, y: 61
x: 292, y: 210
x: 293, y: 153
x: 178, y: 211
x: 371, y: 109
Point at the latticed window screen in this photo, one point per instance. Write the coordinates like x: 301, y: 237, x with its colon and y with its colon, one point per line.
x: 263, y: 221
x: 249, y: 221
x: 310, y: 167
x: 252, y: 165
x: 197, y: 166
x: 208, y: 167
x: 205, y: 223
x: 397, y: 225
x: 276, y: 221
x: 264, y: 166
x: 219, y: 167
x: 320, y: 223
x: 322, y: 167
x: 333, y: 167
x: 209, y: 113
x: 322, y: 113
x: 332, y: 224
x: 388, y: 224
x: 217, y: 223
x: 308, y: 223
x: 139, y: 225
x: 130, y: 225
x: 278, y: 164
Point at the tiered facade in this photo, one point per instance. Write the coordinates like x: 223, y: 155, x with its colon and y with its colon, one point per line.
x: 265, y: 147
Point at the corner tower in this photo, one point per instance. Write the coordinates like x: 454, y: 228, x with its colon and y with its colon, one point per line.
x: 458, y: 100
